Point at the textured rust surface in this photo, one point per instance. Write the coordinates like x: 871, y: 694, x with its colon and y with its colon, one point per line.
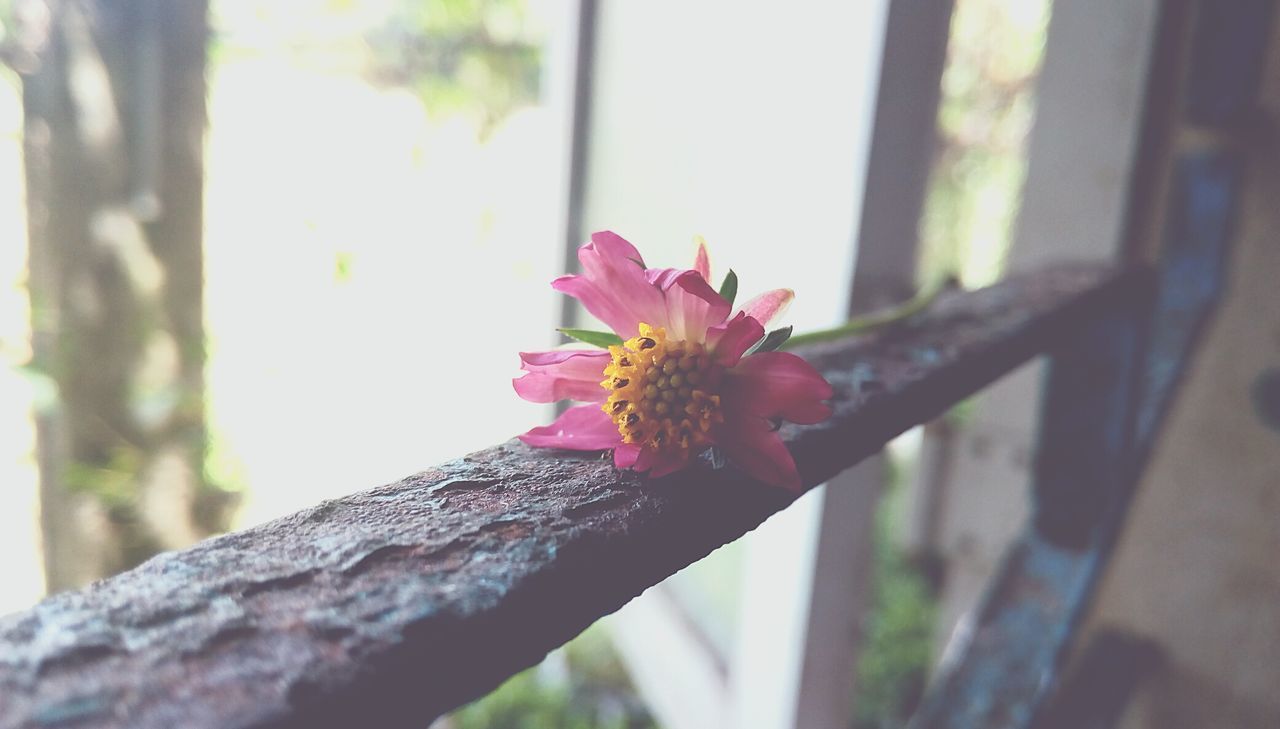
x: 391, y: 606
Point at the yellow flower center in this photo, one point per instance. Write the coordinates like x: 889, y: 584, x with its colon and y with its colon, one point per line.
x: 663, y: 394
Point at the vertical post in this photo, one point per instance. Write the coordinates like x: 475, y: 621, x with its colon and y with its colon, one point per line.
x: 823, y: 647
x: 579, y: 115
x: 577, y: 61
x: 1010, y: 653
x: 1200, y: 547
x: 1086, y: 426
x: 1081, y: 161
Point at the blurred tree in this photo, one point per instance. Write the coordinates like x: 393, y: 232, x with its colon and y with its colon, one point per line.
x: 592, y: 692
x: 113, y: 94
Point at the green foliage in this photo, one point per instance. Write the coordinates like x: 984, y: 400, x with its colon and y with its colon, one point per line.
x: 44, y: 389
x: 114, y: 484
x: 594, y: 338
x: 898, y: 648
x: 596, y: 696
x: 984, y: 117
x: 879, y: 320
x: 479, y: 58
x: 222, y: 469
x: 522, y: 703
x: 774, y: 340
x: 729, y: 289
x: 342, y: 262
x: 962, y: 413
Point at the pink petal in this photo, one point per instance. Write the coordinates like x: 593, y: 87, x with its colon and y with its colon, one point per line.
x: 662, y: 278
x: 692, y: 305
x: 564, y: 374
x: 626, y: 455
x: 613, y: 286
x: 637, y: 458
x: 752, y: 445
x: 701, y: 262
x: 777, y: 384
x: 730, y: 339
x: 581, y: 428
x: 766, y: 306
x: 613, y: 245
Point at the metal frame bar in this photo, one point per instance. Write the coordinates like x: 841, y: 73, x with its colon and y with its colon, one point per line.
x: 1014, y: 644
x: 1107, y: 391
x: 1083, y: 153
x: 396, y: 604
x: 579, y: 143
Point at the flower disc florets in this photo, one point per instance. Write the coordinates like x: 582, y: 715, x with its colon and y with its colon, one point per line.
x: 663, y: 393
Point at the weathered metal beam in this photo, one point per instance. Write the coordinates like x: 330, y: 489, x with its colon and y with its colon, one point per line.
x: 391, y: 606
x: 1106, y: 401
x: 1005, y: 659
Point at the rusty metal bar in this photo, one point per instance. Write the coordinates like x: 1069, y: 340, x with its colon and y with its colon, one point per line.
x: 1105, y: 405
x: 1007, y: 659
x: 394, y: 605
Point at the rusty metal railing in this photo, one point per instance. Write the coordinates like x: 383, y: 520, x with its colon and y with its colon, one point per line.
x: 394, y: 605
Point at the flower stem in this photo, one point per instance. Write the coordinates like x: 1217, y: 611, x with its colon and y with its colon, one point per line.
x: 878, y: 320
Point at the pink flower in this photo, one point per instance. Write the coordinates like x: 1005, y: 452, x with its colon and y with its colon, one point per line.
x: 679, y: 383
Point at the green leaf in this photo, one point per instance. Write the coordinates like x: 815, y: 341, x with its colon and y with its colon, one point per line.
x: 599, y: 339
x: 729, y: 289
x: 775, y: 339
